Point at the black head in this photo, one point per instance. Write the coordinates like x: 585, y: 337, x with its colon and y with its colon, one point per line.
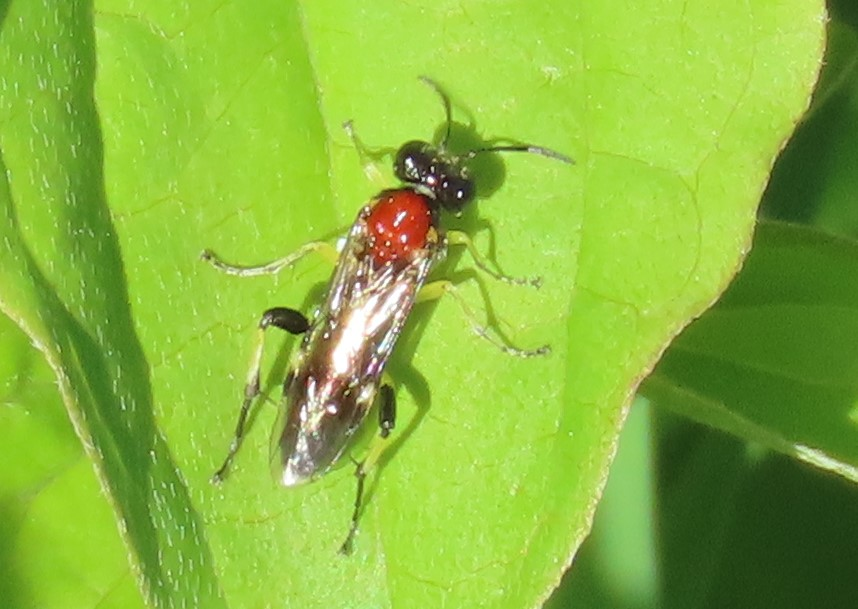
x: 444, y: 176
x: 440, y: 175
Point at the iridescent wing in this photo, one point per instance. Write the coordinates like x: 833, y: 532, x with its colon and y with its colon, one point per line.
x: 336, y: 372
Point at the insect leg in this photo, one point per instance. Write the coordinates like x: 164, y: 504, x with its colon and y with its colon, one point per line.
x: 386, y: 410
x: 293, y: 322
x: 368, y: 157
x: 436, y: 289
x: 386, y: 422
x: 455, y: 237
x: 327, y: 250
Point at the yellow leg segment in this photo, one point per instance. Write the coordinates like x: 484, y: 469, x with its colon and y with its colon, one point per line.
x: 436, y: 289
x: 369, y: 158
x: 327, y: 251
x: 455, y: 237
x: 386, y: 421
x: 289, y: 320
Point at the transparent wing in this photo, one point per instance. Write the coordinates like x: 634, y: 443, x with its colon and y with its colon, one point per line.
x: 336, y: 372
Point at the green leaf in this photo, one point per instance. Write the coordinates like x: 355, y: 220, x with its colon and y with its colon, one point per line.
x: 49, y: 497
x: 62, y: 279
x: 218, y: 125
x: 776, y: 361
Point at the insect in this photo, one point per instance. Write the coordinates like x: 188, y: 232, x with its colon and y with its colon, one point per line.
x: 337, y: 374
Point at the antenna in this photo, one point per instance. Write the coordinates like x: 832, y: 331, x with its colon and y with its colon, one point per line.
x: 447, y: 110
x: 540, y: 150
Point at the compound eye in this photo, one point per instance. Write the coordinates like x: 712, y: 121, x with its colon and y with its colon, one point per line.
x: 455, y: 192
x: 413, y: 161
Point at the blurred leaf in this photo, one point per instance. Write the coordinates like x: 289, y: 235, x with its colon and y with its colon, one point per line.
x: 776, y: 360
x: 218, y: 126
x: 700, y: 476
x: 790, y: 543
x: 744, y: 527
